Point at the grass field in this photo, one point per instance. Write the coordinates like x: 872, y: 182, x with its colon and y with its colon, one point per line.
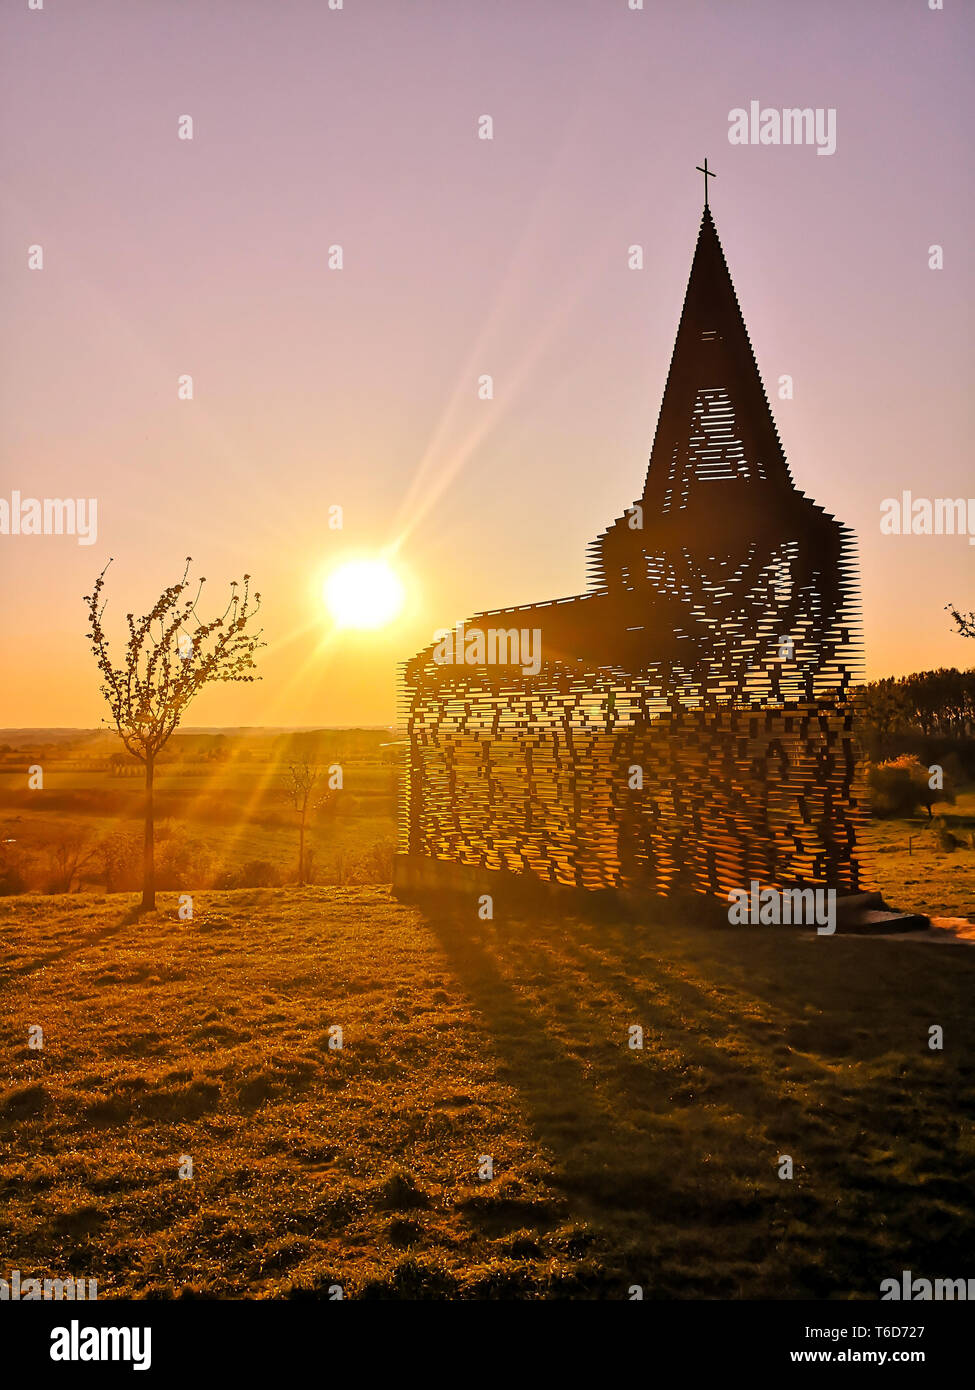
x: 903, y: 859
x: 463, y: 1038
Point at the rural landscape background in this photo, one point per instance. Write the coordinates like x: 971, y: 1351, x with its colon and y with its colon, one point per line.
x: 226, y: 817
x: 315, y: 1167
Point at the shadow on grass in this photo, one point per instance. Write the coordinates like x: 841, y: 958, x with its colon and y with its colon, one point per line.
x: 616, y: 1166
x: 552, y: 1085
x: 672, y: 1156
x: 30, y: 967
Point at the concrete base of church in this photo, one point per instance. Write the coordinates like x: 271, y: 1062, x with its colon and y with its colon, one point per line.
x: 437, y: 882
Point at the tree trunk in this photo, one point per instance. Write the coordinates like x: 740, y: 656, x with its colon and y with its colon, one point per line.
x: 148, y: 852
x: 301, y: 851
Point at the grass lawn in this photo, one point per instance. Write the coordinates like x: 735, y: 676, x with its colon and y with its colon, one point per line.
x: 906, y: 863
x: 463, y: 1038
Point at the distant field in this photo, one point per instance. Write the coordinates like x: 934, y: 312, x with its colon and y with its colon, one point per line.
x: 914, y: 873
x: 224, y: 816
x: 462, y: 1039
x: 225, y: 820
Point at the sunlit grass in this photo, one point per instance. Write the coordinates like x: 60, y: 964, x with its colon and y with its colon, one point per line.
x: 465, y: 1038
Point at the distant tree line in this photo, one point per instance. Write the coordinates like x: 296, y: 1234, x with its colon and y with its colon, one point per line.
x: 921, y: 713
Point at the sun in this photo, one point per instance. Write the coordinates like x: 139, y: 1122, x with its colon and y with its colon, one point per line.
x: 364, y: 594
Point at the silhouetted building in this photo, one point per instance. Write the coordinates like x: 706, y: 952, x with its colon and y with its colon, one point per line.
x: 685, y: 723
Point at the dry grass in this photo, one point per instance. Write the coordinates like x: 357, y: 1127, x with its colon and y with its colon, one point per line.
x: 912, y: 870
x: 464, y: 1038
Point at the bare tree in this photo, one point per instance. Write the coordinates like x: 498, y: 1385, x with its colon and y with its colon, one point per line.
x: 69, y: 856
x: 303, y: 777
x: 169, y: 657
x: 965, y: 622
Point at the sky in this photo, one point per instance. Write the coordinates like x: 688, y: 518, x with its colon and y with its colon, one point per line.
x: 357, y: 387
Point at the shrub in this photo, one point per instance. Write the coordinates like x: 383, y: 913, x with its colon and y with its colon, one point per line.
x: 256, y: 873
x: 902, y: 786
x: 12, y: 875
x: 259, y: 873
x: 944, y: 839
x: 373, y: 865
x: 379, y: 862
x: 180, y: 863
x: 121, y: 863
x: 68, y: 857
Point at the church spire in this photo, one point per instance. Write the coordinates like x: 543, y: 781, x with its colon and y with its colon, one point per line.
x: 715, y: 424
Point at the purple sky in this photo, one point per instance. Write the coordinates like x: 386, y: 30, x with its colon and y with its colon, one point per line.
x: 462, y: 257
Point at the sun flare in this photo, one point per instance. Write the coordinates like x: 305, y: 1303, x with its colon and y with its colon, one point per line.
x: 364, y: 594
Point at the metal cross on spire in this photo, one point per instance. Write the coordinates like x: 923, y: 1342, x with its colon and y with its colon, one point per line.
x: 708, y: 174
